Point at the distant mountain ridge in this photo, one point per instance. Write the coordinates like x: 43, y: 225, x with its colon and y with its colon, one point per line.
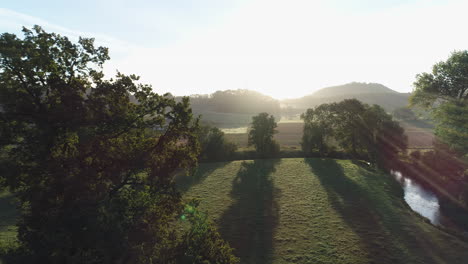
x: 232, y: 108
x: 353, y: 88
x: 369, y: 93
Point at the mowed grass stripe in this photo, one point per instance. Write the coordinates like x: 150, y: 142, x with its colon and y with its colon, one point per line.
x: 316, y: 211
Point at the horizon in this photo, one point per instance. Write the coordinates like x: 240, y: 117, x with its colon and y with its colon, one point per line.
x: 284, y: 51
x: 288, y: 98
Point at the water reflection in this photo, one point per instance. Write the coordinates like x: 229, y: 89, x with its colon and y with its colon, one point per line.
x: 419, y: 199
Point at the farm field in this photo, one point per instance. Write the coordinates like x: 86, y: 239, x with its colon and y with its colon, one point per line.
x: 420, y: 134
x: 289, y: 135
x: 316, y: 211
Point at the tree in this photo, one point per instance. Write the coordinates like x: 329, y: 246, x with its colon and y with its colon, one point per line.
x: 349, y: 125
x: 362, y: 130
x: 317, y: 128
x: 445, y: 92
x: 214, y: 146
x: 383, y: 137
x: 203, y: 242
x: 92, y: 170
x: 261, y: 134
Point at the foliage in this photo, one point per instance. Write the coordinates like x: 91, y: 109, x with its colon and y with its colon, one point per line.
x: 92, y: 169
x: 359, y: 129
x: 214, y: 146
x: 203, y: 244
x: 350, y: 125
x: 445, y: 92
x: 261, y: 134
x: 452, y: 125
x: 447, y: 82
x: 384, y: 138
x: 317, y: 128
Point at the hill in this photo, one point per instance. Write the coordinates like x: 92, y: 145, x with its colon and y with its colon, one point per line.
x: 317, y: 211
x: 235, y: 101
x: 353, y: 88
x: 370, y: 93
x: 233, y: 108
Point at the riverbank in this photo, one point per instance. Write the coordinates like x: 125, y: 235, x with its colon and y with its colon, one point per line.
x: 449, y: 190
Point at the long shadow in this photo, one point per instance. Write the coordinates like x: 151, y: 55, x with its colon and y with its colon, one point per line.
x: 368, y: 215
x: 250, y: 223
x: 186, y: 181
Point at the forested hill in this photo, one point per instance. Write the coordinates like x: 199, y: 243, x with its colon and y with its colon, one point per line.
x: 370, y: 93
x: 235, y: 101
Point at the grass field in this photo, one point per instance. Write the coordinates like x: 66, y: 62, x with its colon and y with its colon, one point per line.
x: 316, y: 211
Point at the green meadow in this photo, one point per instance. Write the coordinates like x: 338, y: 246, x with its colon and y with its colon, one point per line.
x: 316, y: 211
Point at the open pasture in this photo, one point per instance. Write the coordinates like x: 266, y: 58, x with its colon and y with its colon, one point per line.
x: 316, y: 211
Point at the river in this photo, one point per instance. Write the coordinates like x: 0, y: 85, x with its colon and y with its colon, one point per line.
x: 421, y: 200
x: 425, y: 202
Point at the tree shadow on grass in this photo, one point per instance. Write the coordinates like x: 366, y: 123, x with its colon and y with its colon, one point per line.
x: 366, y: 212
x: 250, y: 223
x: 186, y: 181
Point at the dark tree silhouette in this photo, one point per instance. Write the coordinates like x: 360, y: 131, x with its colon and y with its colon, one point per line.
x: 92, y: 169
x: 261, y: 134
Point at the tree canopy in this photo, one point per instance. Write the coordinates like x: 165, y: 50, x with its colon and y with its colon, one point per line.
x: 359, y: 129
x: 261, y: 134
x: 318, y: 127
x: 448, y: 81
x: 445, y: 92
x: 92, y: 170
x: 213, y: 144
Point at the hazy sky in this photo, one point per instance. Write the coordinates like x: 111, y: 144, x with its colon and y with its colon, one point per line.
x: 280, y: 48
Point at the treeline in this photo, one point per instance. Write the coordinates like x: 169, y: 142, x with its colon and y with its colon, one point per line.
x: 346, y: 129
x: 215, y: 147
x: 235, y: 101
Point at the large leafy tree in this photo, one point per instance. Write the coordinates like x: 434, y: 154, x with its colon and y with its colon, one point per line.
x: 318, y: 128
x: 445, y: 92
x: 91, y: 169
x: 359, y: 129
x: 213, y: 144
x: 350, y: 125
x: 383, y: 137
x: 261, y: 134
